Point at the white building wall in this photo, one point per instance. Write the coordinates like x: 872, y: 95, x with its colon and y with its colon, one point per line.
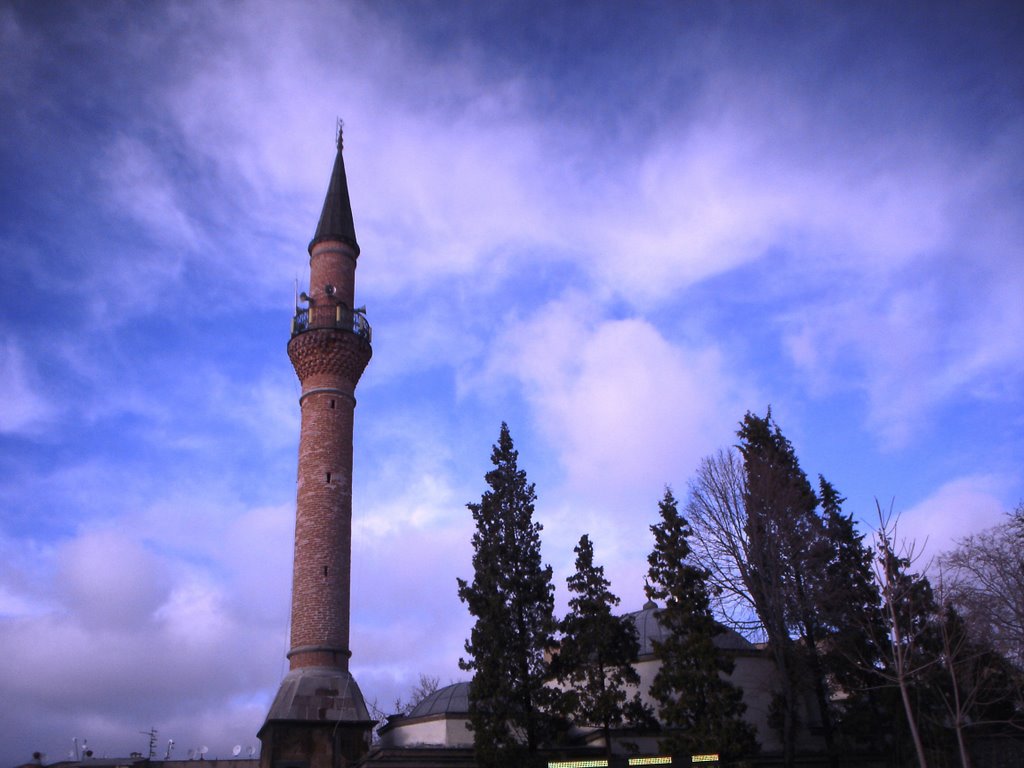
x: 754, y: 675
x: 424, y: 733
x: 435, y: 731
x: 458, y: 733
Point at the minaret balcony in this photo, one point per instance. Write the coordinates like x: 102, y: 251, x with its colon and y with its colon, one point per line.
x: 338, y: 316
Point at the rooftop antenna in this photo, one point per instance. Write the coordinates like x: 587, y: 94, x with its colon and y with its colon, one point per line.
x: 339, y: 128
x: 170, y: 748
x: 152, y: 741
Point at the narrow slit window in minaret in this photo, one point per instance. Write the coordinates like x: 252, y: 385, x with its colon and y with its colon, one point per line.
x: 332, y: 403
x: 325, y: 571
x: 328, y: 477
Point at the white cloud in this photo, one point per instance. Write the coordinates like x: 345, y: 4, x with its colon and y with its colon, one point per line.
x: 126, y: 635
x: 626, y: 409
x: 267, y: 409
x: 257, y: 558
x: 455, y: 183
x: 958, y: 507
x: 408, y: 550
x: 885, y: 261
x: 23, y: 406
x: 414, y: 339
x: 911, y: 349
x: 138, y: 186
x: 107, y: 577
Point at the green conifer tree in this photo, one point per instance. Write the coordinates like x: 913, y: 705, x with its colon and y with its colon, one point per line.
x: 848, y: 611
x: 780, y: 526
x: 597, y: 652
x: 701, y: 711
x: 512, y: 599
x: 778, y: 551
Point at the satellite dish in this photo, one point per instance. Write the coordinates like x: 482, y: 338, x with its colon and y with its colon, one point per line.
x: 236, y: 750
x: 204, y: 749
x: 251, y: 750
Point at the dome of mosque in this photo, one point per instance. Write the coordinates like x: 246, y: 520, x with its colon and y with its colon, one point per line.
x: 649, y: 629
x: 451, y: 700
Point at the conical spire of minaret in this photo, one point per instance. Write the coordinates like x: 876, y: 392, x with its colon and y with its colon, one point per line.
x: 336, y: 218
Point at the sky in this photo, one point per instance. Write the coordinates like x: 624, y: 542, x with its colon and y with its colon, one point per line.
x: 616, y: 226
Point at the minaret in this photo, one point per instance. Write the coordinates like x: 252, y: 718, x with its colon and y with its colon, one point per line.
x: 319, y: 718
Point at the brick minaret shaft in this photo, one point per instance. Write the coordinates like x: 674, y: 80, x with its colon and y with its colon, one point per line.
x: 329, y: 355
x: 319, y: 718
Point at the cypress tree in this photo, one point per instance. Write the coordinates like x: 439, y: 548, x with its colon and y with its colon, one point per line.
x: 780, y: 526
x: 777, y: 550
x: 597, y: 652
x: 848, y: 608
x: 512, y: 598
x: 701, y: 711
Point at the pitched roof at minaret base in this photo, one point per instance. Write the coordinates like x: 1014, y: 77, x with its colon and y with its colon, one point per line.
x: 317, y: 694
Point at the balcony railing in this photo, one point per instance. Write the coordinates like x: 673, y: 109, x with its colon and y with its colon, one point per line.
x: 340, y: 317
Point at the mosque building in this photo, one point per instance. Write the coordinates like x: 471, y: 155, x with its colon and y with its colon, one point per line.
x: 319, y: 718
x: 439, y: 723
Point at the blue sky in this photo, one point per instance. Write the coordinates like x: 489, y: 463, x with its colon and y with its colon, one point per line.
x: 615, y: 226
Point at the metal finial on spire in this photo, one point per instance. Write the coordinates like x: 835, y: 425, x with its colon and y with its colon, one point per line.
x: 340, y: 127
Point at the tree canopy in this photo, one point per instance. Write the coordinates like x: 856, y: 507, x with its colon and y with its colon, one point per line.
x: 787, y: 564
x: 983, y: 576
x: 597, y: 652
x: 512, y: 598
x: 700, y: 710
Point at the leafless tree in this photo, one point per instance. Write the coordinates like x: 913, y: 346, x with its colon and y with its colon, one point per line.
x: 741, y: 550
x: 984, y: 578
x: 909, y: 606
x: 958, y: 659
x: 982, y: 687
x: 721, y: 545
x: 427, y: 685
